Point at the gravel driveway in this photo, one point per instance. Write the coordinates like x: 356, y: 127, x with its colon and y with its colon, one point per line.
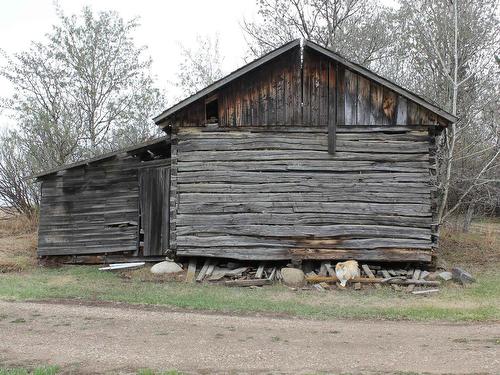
x: 113, y: 338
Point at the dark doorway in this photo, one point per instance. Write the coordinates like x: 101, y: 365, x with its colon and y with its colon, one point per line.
x: 154, y: 185
x: 212, y: 111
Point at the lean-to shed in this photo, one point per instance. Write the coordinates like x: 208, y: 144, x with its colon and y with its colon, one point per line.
x: 303, y: 154
x: 117, y: 203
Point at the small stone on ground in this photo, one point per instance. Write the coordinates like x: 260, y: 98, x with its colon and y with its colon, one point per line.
x: 293, y: 276
x: 166, y: 267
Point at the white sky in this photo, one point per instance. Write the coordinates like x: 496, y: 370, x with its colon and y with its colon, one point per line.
x: 163, y: 24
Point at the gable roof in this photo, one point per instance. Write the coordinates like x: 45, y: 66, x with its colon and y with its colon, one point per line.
x: 326, y: 52
x: 131, y: 150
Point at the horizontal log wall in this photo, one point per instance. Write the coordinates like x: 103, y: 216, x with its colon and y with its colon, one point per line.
x: 270, y: 193
x: 80, y: 209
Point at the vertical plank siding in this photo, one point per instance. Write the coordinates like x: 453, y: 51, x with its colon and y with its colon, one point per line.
x: 262, y: 193
x: 289, y: 92
x: 155, y: 207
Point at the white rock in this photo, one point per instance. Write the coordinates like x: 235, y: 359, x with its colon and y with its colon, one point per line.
x: 292, y: 276
x: 165, y: 267
x: 446, y: 275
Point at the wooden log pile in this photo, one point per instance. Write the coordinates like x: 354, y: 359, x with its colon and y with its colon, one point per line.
x: 233, y: 273
x: 379, y: 276
x: 323, y: 277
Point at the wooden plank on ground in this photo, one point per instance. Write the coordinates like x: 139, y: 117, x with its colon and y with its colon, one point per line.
x: 367, y: 280
x: 260, y: 271
x: 370, y: 274
x: 190, y: 276
x: 323, y: 270
x: 203, y: 271
x: 272, y: 275
x: 330, y: 270
x: 210, y: 269
x: 416, y: 276
x: 249, y: 282
x: 387, y: 275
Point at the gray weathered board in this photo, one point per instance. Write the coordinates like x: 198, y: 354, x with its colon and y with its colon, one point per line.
x: 273, y: 194
x: 155, y: 206
x: 80, y: 206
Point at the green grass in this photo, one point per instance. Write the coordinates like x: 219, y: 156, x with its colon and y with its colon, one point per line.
x: 479, y: 302
x: 44, y: 370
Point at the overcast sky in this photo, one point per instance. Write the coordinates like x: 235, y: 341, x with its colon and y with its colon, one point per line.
x: 163, y: 24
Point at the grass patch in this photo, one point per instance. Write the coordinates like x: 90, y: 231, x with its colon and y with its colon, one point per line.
x: 479, y: 302
x: 476, y: 252
x: 18, y: 239
x: 43, y: 370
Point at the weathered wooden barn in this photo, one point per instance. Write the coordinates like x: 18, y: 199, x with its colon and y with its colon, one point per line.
x: 299, y: 154
x: 114, y: 203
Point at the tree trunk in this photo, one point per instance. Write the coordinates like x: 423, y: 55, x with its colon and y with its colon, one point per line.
x: 469, y: 214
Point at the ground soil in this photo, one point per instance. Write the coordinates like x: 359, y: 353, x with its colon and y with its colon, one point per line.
x: 116, y: 338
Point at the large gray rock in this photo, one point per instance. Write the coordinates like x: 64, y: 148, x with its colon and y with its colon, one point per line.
x: 462, y: 277
x: 293, y: 276
x: 165, y: 268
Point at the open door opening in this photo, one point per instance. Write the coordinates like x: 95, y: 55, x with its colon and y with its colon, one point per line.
x: 212, y: 110
x: 154, y: 210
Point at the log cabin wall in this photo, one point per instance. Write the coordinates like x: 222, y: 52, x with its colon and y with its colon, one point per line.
x: 263, y: 185
x: 256, y: 193
x: 81, y: 207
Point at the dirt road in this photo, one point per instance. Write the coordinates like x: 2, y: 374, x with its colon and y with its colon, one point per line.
x: 122, y: 339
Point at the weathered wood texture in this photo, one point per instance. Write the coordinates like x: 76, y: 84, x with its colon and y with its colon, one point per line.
x: 91, y: 209
x: 270, y: 94
x: 315, y: 92
x: 257, y: 193
x: 332, y: 92
x: 155, y: 207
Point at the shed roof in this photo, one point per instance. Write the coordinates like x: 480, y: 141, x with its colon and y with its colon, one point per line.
x: 313, y: 46
x: 131, y: 150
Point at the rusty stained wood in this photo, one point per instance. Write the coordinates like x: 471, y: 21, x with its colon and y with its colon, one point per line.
x: 379, y: 254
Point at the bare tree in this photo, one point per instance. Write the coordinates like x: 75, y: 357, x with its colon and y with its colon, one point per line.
x: 200, y: 66
x: 452, y: 47
x: 84, y: 90
x: 15, y: 192
x: 86, y: 82
x: 358, y: 29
